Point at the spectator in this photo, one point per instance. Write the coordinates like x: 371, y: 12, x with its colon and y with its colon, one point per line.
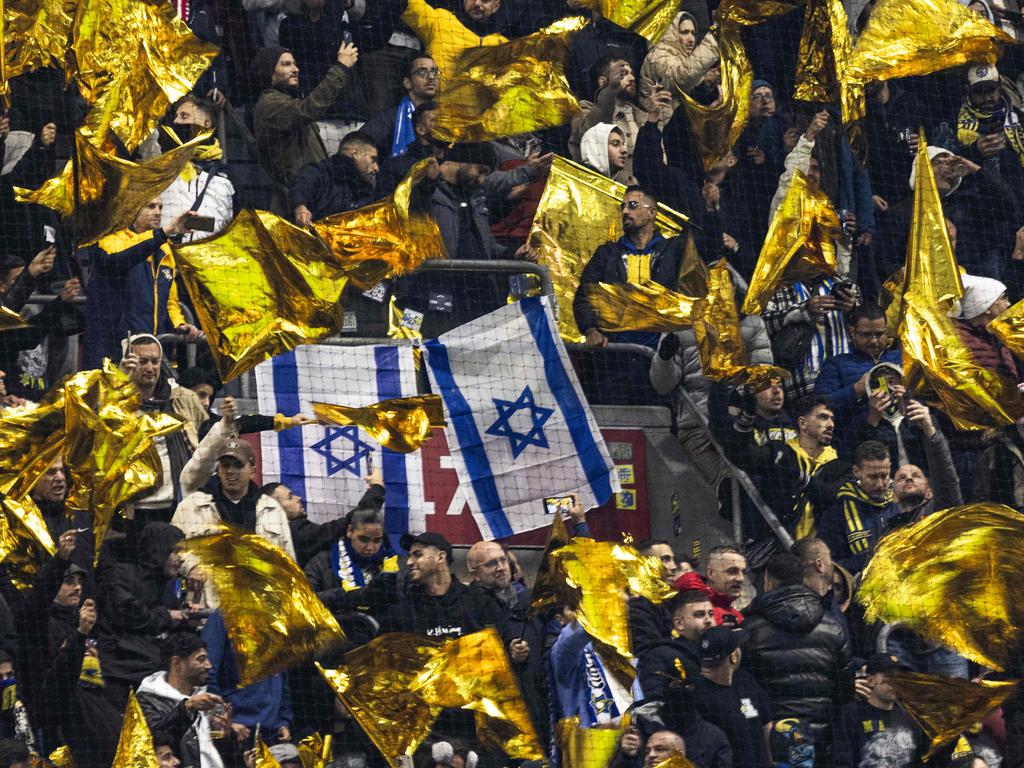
x: 204, y: 187
x: 1000, y: 472
x: 984, y: 300
x: 447, y: 33
x: 662, y: 745
x: 392, y: 130
x: 878, y: 728
x: 731, y: 699
x: 863, y: 510
x: 163, y: 746
x: 795, y: 649
x: 176, y: 701
x: 131, y: 287
x: 284, y: 122
x: 615, y: 104
x: 642, y: 254
x: 662, y: 550
x: 396, y: 168
x: 599, y: 42
x: 726, y: 570
x: 583, y: 685
x: 820, y: 575
x: 344, y: 182
x: 49, y: 494
x: 894, y: 117
x: 678, y: 62
x: 603, y: 149
x: 14, y: 754
x: 692, y: 615
x: 914, y: 493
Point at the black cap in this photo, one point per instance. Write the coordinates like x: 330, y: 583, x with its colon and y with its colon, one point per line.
x: 718, y: 642
x: 884, y: 662
x: 430, y: 539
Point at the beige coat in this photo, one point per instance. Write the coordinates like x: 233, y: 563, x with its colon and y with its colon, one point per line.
x: 674, y: 67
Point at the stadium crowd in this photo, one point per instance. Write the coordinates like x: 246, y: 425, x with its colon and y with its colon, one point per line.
x: 763, y: 657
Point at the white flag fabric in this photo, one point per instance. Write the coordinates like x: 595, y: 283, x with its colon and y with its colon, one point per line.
x: 519, y: 428
x: 327, y: 465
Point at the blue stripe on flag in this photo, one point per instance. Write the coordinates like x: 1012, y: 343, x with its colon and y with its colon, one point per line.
x: 393, y: 464
x: 460, y: 417
x: 573, y: 412
x: 289, y: 441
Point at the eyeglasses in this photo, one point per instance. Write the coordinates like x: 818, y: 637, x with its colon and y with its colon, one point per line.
x: 632, y: 205
x: 490, y: 565
x: 762, y: 97
x: 430, y: 74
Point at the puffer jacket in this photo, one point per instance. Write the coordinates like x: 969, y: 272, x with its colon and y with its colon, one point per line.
x: 677, y: 69
x: 987, y: 351
x: 798, y: 653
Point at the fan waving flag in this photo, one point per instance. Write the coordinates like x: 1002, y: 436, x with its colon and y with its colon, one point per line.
x: 328, y: 464
x: 519, y: 428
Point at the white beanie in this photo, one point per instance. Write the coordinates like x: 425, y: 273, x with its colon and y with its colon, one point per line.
x: 980, y: 293
x: 932, y: 152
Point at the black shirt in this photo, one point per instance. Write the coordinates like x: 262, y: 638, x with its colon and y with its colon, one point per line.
x: 741, y: 710
x: 865, y: 736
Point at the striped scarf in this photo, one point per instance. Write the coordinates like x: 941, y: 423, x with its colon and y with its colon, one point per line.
x: 971, y: 121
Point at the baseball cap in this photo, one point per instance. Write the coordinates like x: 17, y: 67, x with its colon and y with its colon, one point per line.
x: 982, y: 73
x: 429, y: 539
x: 884, y: 662
x: 238, y: 449
x: 285, y: 752
x: 718, y: 642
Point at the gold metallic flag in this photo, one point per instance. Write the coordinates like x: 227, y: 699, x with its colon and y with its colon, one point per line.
x: 946, y: 707
x: 264, y: 758
x: 798, y: 245
x: 140, y: 56
x: 397, y: 685
x: 273, y: 618
x: 61, y: 757
x: 1009, y: 329
x: 905, y: 38
x: 315, y: 750
x: 383, y: 239
x: 544, y: 592
x: 111, y: 190
x: 587, y: 747
x: 675, y: 761
x: 25, y: 543
x: 693, y: 272
x: 937, y: 365
x: 953, y: 577
x: 580, y: 210
x: 716, y: 325
x: 515, y: 87
x: 135, y: 747
x: 715, y: 129
x: 749, y: 12
x: 401, y: 423
x: 261, y: 287
x: 36, y: 34
x: 647, y: 307
x: 30, y: 441
x: 10, y: 320
x: 647, y: 18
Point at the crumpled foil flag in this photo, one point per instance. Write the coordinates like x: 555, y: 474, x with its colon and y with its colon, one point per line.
x: 1009, y: 329
x: 647, y: 18
x: 135, y: 747
x: 264, y: 286
x: 108, y: 446
x: 946, y: 707
x: 545, y: 593
x: 396, y: 686
x: 799, y: 244
x: 111, y: 190
x: 645, y: 307
x: 272, y: 615
x: 905, y: 38
x: 61, y: 757
x: 25, y: 543
x: 594, y: 578
x: 580, y: 210
x: 516, y: 87
x: 137, y: 56
x: 401, y: 424
x: 749, y: 12
x: 937, y: 365
x: 676, y: 760
x: 30, y: 441
x: 11, y: 320
x: 824, y: 56
x: 36, y: 34
x: 315, y: 750
x: 954, y: 578
x: 587, y: 747
x: 264, y: 757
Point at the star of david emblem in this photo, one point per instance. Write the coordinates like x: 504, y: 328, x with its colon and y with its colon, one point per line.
x: 349, y: 439
x: 538, y: 416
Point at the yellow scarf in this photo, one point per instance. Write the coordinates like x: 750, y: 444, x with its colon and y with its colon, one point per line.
x: 806, y: 524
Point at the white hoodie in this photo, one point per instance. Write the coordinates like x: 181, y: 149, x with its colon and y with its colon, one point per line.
x: 594, y: 148
x: 157, y: 685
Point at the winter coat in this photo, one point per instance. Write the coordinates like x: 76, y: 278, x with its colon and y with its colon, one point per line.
x: 311, y: 539
x: 838, y: 375
x: 676, y: 69
x: 459, y: 611
x: 218, y: 200
x: 987, y: 351
x: 330, y: 186
x: 853, y: 526
x: 164, y: 710
x: 999, y: 475
x: 657, y: 666
x: 797, y: 652
x: 197, y: 515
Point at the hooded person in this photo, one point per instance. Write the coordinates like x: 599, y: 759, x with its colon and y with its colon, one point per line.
x: 678, y: 62
x: 603, y: 149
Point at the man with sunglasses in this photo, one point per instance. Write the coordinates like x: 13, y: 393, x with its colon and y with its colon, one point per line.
x: 641, y: 255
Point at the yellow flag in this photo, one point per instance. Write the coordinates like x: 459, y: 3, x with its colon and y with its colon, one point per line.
x: 646, y: 307
x: 716, y: 325
x: 648, y: 18
x: 315, y: 750
x: 61, y: 757
x: 514, y: 87
x: 749, y: 12
x: 715, y: 129
x: 945, y: 707
x: 135, y: 747
x: 272, y: 615
x: 30, y: 441
x: 952, y: 577
x: 798, y: 245
x: 25, y: 543
x: 544, y: 591
x: 587, y: 747
x: 36, y: 34
x: 397, y: 685
x: 580, y: 210
x: 111, y: 190
x: 264, y: 759
x: 401, y: 423
x: 10, y: 320
x: 676, y: 760
x: 905, y: 38
x: 937, y: 364
x: 1009, y: 329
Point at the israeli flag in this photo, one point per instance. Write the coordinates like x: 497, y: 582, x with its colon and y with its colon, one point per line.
x: 327, y: 465
x: 519, y: 429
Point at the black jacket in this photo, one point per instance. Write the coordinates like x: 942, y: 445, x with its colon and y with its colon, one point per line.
x: 330, y: 186
x: 798, y: 653
x: 657, y: 667
x: 311, y: 539
x: 168, y: 715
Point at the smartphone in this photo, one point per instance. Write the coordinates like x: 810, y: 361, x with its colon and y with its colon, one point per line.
x: 559, y: 505
x: 200, y: 223
x: 49, y: 234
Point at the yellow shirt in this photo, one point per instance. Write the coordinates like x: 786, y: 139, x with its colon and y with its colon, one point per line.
x: 443, y: 35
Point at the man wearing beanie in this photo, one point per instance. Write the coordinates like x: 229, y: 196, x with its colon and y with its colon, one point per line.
x: 984, y: 300
x: 284, y: 121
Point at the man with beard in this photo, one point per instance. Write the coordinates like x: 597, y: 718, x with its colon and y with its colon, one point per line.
x: 49, y: 494
x: 341, y: 183
x: 615, y: 103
